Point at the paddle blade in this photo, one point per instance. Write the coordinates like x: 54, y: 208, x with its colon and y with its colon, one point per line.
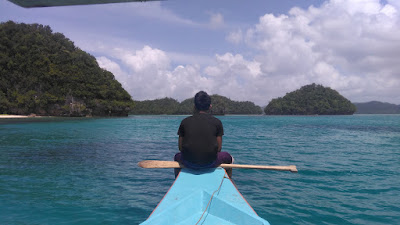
x: 159, y: 164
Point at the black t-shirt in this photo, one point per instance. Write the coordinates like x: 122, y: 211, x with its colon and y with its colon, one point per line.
x: 200, y: 133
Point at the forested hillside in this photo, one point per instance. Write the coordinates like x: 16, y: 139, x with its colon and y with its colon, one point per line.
x: 163, y: 106
x: 220, y: 106
x: 311, y: 100
x: 44, y: 73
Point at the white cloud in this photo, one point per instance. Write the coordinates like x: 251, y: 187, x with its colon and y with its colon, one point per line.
x: 216, y: 20
x: 346, y: 45
x: 151, y: 9
x: 231, y: 66
x: 235, y: 37
x: 352, y: 46
x: 145, y: 59
x: 147, y: 74
x: 109, y: 65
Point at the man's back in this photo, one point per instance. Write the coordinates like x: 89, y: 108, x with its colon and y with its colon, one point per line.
x: 200, y: 133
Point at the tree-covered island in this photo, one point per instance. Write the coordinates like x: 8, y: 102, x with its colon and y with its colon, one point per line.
x: 43, y: 73
x: 311, y: 99
x: 220, y: 106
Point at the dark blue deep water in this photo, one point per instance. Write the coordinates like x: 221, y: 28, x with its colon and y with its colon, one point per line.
x: 84, y: 171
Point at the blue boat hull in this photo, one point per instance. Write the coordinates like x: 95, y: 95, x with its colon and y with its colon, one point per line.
x: 204, y: 197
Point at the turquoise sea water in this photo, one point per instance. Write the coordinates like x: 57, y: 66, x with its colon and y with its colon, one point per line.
x: 83, y: 171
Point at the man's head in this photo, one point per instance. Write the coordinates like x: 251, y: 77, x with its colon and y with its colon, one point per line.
x: 202, y: 101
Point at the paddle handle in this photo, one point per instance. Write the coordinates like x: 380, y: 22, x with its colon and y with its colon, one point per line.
x: 291, y: 168
x: 173, y: 164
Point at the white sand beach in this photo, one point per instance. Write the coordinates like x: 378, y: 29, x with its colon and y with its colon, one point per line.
x: 14, y: 116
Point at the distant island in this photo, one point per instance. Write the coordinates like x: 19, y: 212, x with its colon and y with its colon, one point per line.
x: 220, y: 106
x: 376, y: 107
x: 43, y: 73
x: 311, y: 99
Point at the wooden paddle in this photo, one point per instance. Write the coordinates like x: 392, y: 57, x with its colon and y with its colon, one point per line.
x: 173, y: 164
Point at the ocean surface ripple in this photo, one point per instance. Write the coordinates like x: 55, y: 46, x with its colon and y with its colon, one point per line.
x: 84, y: 171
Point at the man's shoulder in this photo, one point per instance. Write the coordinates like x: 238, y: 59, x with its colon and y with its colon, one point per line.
x: 187, y: 119
x: 208, y: 117
x: 213, y: 117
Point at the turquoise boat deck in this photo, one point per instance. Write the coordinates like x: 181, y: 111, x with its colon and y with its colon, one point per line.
x: 204, y: 197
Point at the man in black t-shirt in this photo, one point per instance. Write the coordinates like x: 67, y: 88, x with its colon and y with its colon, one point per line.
x: 200, y: 138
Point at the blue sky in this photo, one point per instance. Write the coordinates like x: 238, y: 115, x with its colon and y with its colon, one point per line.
x: 246, y: 50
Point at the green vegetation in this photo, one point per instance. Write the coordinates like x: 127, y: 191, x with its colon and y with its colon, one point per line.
x: 223, y: 105
x: 376, y: 107
x: 220, y: 106
x: 311, y: 100
x: 155, y: 107
x: 42, y: 72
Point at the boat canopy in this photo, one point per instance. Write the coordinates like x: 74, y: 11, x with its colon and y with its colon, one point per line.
x: 48, y: 3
